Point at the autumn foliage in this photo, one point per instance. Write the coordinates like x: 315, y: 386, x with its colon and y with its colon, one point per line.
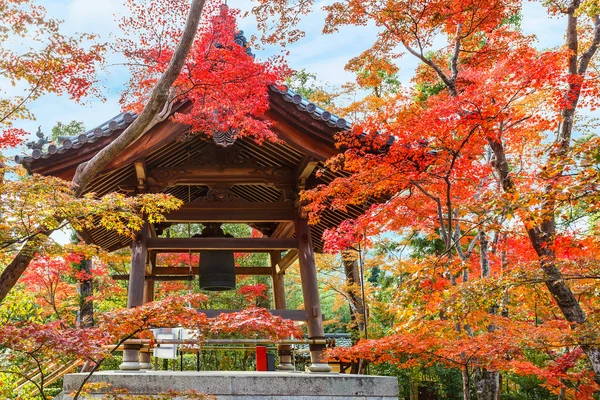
x: 485, y: 167
x: 35, y: 349
x: 38, y: 58
x: 226, y: 85
x: 481, y: 163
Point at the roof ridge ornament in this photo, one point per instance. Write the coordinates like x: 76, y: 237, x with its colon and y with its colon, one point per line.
x: 37, y: 146
x: 224, y: 138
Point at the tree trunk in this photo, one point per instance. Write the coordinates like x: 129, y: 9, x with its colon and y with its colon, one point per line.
x: 487, y: 383
x: 542, y: 237
x: 18, y: 265
x: 466, y: 384
x: 85, y: 316
x: 150, y: 115
x: 357, y: 306
x: 542, y: 234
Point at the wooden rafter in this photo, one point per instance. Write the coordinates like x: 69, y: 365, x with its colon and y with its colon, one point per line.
x: 304, y: 170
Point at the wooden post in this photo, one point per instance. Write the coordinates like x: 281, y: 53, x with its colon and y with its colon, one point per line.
x: 148, y: 291
x: 284, y: 350
x: 145, y: 361
x: 135, y: 295
x: 310, y: 292
x: 278, y: 282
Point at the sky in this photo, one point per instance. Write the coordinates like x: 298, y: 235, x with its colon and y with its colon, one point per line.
x: 323, y: 55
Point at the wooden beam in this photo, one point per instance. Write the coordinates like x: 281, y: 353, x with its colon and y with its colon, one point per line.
x: 213, y: 175
x: 278, y: 282
x: 286, y: 261
x: 310, y: 293
x: 140, y: 173
x: 242, y: 245
x: 233, y: 212
x: 186, y: 271
x: 305, y: 169
x: 155, y: 278
x: 183, y: 274
x: 294, y: 315
x: 283, y: 230
x: 149, y: 289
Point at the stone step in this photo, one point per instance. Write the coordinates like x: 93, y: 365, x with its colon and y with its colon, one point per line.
x: 245, y: 385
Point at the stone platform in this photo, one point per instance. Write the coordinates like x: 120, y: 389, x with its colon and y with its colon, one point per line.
x: 247, y: 385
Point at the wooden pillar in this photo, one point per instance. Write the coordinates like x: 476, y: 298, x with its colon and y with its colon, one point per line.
x: 148, y: 291
x: 137, y: 272
x: 145, y: 361
x: 278, y: 282
x: 135, y: 295
x: 284, y: 350
x: 310, y: 292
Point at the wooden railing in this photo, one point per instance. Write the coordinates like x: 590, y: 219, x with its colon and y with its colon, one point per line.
x: 36, y: 376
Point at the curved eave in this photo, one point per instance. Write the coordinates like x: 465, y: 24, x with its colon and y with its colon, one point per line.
x: 307, y: 133
x: 304, y: 126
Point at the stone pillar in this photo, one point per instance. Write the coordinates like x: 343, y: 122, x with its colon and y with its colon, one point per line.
x: 284, y: 350
x: 310, y: 292
x: 135, y: 295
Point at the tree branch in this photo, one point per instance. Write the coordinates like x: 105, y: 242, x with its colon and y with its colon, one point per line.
x: 157, y: 106
x: 159, y: 100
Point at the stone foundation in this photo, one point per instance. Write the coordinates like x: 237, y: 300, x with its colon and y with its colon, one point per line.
x: 246, y: 385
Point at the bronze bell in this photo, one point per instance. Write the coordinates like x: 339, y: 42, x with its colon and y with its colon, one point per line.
x: 217, y: 267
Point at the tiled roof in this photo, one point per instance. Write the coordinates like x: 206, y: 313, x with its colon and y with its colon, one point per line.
x: 123, y: 120
x: 315, y: 111
x: 117, y: 123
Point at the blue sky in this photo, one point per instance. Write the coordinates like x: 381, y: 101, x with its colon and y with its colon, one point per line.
x: 324, y: 55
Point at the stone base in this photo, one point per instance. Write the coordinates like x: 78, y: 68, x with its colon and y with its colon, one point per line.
x: 318, y: 368
x: 285, y: 367
x: 245, y: 385
x: 130, y: 366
